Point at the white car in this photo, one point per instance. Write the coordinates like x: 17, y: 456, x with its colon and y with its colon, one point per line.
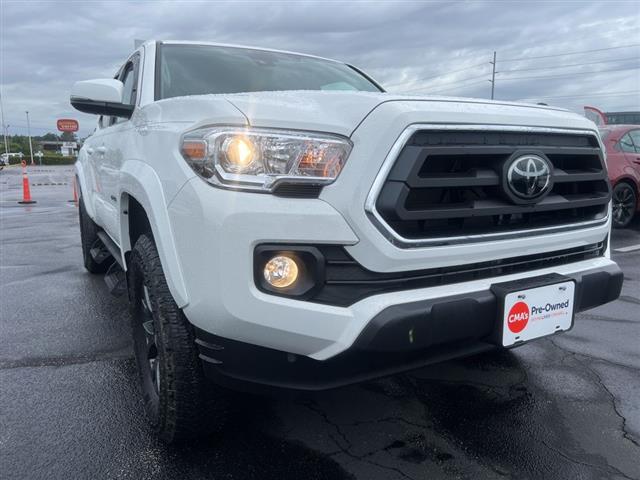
x: 280, y: 220
x: 5, y: 158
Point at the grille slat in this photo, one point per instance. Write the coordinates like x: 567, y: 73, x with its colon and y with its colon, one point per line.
x: 563, y: 176
x: 346, y: 281
x: 481, y: 208
x: 447, y: 184
x: 472, y: 178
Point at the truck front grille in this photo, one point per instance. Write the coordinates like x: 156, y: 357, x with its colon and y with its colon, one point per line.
x: 346, y: 281
x: 452, y: 184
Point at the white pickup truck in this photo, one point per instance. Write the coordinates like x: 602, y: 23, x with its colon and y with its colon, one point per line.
x: 279, y: 220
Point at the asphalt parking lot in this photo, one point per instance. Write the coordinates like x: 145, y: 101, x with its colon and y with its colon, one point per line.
x: 565, y: 407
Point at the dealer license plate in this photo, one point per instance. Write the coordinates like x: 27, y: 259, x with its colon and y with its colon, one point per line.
x: 537, y: 312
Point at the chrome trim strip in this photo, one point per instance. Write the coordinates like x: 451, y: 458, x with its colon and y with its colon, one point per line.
x: 402, y: 242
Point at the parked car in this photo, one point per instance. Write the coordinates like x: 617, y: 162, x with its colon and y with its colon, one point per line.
x: 5, y: 158
x: 280, y: 221
x: 622, y: 144
x: 601, y: 118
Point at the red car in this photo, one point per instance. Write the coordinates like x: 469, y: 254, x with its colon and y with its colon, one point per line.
x: 622, y: 143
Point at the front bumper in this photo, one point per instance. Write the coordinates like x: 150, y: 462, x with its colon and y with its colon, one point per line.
x: 216, y: 233
x: 443, y: 328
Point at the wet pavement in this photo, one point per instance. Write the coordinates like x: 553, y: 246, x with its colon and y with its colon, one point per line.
x: 565, y: 407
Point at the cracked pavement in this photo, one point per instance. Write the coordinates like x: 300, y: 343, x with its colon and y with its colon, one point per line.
x: 565, y: 407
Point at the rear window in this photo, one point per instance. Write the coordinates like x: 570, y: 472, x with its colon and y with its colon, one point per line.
x: 203, y: 69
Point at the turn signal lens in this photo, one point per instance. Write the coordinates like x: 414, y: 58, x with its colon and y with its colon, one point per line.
x: 194, y: 149
x: 281, y: 271
x: 320, y: 163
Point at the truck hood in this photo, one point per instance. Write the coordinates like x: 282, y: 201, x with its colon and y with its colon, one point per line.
x: 334, y: 112
x: 338, y: 112
x: 342, y: 112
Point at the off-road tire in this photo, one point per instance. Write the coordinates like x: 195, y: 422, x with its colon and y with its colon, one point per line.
x: 185, y: 405
x: 89, y: 239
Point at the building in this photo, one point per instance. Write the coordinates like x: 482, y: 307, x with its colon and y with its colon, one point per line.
x: 623, y: 118
x: 69, y: 149
x: 612, y: 118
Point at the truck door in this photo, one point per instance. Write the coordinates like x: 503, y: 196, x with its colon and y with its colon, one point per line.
x: 112, y: 148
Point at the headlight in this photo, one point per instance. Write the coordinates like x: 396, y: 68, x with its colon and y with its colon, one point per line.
x: 258, y: 159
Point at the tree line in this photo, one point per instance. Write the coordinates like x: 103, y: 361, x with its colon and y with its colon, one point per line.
x: 20, y: 143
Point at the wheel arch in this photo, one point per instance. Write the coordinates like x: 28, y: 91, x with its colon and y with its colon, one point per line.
x: 83, y: 189
x: 143, y: 209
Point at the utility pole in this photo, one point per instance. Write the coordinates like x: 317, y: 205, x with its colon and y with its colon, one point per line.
x: 6, y: 134
x: 493, y: 75
x: 5, y: 130
x: 4, y: 127
x: 29, y: 133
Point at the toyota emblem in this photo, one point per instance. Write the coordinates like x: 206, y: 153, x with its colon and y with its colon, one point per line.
x: 529, y: 176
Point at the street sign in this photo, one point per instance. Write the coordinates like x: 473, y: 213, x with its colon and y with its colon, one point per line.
x: 67, y: 125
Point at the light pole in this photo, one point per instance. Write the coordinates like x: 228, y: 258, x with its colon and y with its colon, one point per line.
x: 29, y: 133
x: 5, y: 128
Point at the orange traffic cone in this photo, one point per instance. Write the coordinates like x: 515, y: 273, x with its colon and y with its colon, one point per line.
x: 75, y: 192
x: 26, y: 192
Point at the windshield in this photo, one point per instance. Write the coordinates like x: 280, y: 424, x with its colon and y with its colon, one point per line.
x: 203, y: 69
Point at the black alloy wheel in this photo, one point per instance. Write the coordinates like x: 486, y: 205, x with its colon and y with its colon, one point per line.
x: 624, y: 205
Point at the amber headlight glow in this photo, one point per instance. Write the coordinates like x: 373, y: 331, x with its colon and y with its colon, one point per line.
x: 258, y: 159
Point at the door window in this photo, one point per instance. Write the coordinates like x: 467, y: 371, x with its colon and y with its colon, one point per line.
x: 635, y: 137
x: 626, y: 144
x: 128, y: 75
x: 128, y: 78
x: 128, y: 92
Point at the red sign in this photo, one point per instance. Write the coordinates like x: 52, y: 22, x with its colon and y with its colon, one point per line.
x: 67, y: 125
x: 518, y: 317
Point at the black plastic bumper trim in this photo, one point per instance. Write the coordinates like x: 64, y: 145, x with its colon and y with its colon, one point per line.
x: 398, y: 339
x: 340, y: 280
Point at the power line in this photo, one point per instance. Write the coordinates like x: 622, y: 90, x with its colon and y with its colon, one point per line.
x: 483, y: 64
x: 458, y: 87
x: 519, y: 78
x: 49, y: 129
x: 453, y: 71
x: 440, y: 75
x: 445, y: 90
x: 484, y: 75
x: 610, y: 94
x: 568, y: 65
x: 570, y: 53
x: 572, y: 74
x: 447, y: 84
x: 525, y: 69
x: 464, y: 84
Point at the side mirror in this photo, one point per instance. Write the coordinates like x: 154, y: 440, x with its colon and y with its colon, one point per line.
x: 101, y: 97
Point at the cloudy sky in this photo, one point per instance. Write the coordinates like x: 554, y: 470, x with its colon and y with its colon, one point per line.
x: 418, y: 47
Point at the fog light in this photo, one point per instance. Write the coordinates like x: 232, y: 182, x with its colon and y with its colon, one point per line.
x: 281, y: 271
